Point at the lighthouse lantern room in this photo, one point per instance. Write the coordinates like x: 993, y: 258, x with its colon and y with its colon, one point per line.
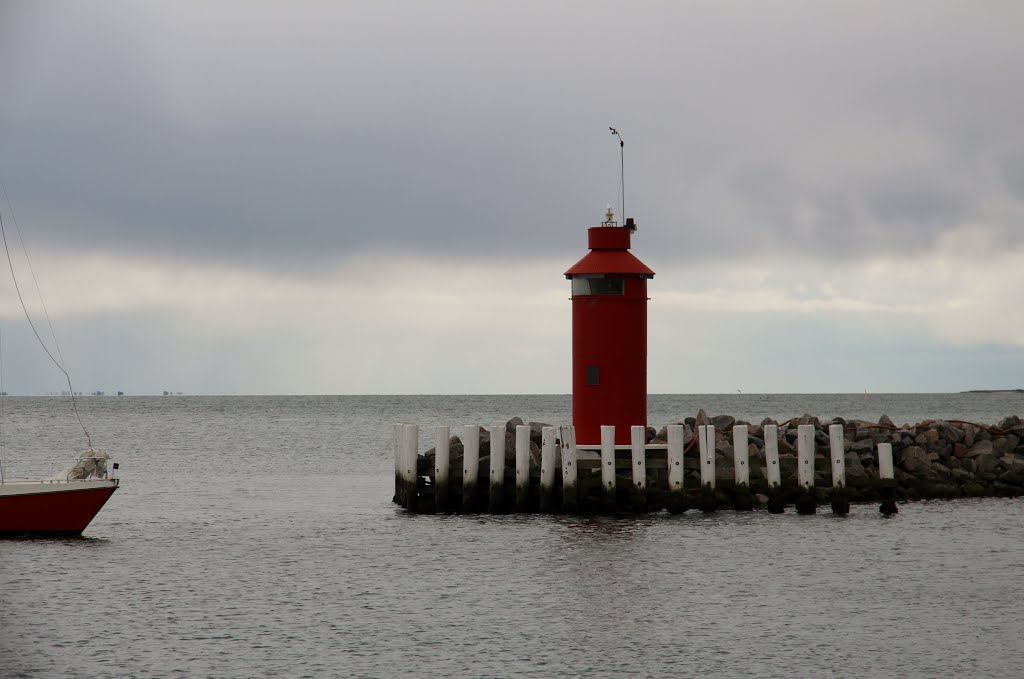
x: 609, y: 334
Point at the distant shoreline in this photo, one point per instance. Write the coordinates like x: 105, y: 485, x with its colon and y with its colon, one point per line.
x: 993, y: 391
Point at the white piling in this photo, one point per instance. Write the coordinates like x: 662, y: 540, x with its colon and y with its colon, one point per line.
x: 397, y: 433
x: 608, y: 466
x: 638, y: 444
x: 741, y: 454
x: 442, y: 455
x: 570, y: 501
x: 805, y: 455
x: 837, y: 447
x: 522, y: 467
x: 885, y: 468
x: 548, y: 465
x: 470, y: 465
x: 837, y: 452
x: 410, y: 446
x: 706, y: 434
x: 771, y: 455
x: 887, y: 480
x: 497, y: 476
x: 675, y: 458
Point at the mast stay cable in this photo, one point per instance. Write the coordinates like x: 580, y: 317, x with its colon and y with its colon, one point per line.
x: 35, y: 331
x: 3, y: 420
x: 32, y: 271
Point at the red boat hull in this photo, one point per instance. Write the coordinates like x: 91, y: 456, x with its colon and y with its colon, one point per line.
x: 57, y: 509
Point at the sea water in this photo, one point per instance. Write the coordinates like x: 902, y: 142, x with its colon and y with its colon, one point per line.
x: 255, y: 536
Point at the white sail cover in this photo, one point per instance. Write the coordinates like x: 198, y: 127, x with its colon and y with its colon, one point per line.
x: 91, y: 465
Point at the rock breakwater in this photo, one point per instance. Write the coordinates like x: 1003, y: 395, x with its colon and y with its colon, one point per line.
x: 932, y: 459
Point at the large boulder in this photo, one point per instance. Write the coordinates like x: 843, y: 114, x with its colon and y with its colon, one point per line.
x: 809, y: 419
x: 962, y: 476
x: 862, y: 430
x: 1013, y: 477
x: 854, y: 467
x: 724, y: 470
x: 535, y: 455
x: 723, y: 422
x: 914, y: 459
x: 988, y: 464
x: 537, y: 431
x: 1009, y: 422
x: 951, y: 433
x: 863, y: 446
x: 979, y: 449
x: 968, y: 430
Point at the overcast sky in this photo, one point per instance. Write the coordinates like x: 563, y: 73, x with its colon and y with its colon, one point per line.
x: 381, y: 197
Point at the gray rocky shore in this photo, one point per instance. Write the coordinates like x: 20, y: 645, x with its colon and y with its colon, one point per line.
x: 933, y: 459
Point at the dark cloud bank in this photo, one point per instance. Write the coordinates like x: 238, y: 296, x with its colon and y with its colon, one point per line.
x: 284, y: 137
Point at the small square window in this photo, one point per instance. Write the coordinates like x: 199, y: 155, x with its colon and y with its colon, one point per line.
x: 593, y: 375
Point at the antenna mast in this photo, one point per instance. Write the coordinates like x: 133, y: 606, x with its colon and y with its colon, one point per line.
x: 622, y: 173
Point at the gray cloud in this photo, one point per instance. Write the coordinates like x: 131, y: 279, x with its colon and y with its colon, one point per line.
x: 272, y: 135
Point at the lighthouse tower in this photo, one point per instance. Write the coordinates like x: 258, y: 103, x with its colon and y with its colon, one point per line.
x: 609, y: 334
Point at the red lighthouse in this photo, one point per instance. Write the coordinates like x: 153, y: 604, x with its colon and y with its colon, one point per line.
x: 609, y: 335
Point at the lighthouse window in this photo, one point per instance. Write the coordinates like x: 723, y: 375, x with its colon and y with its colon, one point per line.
x: 593, y: 375
x: 598, y: 286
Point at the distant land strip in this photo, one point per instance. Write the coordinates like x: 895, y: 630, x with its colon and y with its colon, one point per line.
x: 993, y: 391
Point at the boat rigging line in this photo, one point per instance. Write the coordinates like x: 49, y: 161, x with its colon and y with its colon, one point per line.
x: 31, y: 270
x: 3, y: 420
x: 35, y: 331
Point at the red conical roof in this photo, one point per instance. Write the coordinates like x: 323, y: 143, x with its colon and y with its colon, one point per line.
x: 609, y: 254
